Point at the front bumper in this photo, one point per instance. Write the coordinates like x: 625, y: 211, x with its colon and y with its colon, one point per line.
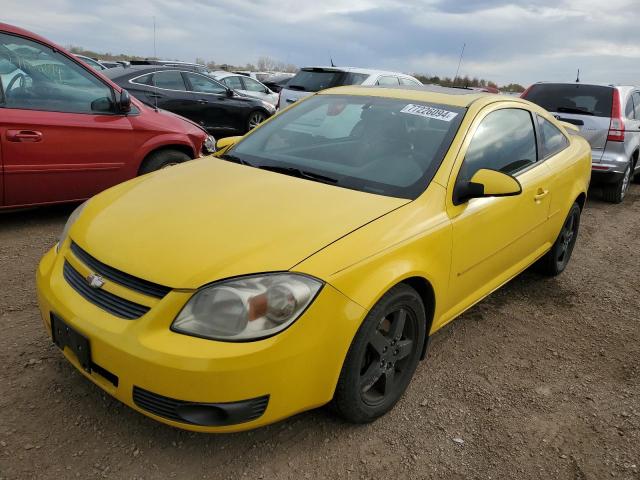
x: 297, y: 369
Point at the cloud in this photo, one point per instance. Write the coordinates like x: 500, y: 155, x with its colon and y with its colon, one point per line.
x: 506, y: 40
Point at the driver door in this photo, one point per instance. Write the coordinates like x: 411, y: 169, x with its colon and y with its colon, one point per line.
x: 495, y: 238
x: 60, y: 137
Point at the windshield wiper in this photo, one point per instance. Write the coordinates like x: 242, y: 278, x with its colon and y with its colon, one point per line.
x: 579, y: 111
x: 235, y: 159
x: 296, y: 87
x: 296, y: 172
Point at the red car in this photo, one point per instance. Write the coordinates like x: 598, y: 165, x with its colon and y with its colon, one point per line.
x: 67, y: 132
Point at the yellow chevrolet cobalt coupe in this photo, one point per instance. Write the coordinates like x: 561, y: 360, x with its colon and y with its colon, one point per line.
x: 310, y: 260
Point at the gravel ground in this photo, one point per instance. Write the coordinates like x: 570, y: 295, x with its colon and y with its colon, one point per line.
x: 540, y: 380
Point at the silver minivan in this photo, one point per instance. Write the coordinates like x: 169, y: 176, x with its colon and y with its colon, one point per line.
x: 608, y: 116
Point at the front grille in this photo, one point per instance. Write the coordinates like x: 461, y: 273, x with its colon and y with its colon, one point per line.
x: 218, y: 414
x: 107, y: 301
x: 124, y: 279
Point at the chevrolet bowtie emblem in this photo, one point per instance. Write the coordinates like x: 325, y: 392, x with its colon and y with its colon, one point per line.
x: 95, y: 281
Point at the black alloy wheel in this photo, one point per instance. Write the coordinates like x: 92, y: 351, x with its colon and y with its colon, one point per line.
x: 557, y: 259
x: 383, y: 356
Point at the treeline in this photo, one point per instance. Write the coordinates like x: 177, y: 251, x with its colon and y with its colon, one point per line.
x: 268, y: 64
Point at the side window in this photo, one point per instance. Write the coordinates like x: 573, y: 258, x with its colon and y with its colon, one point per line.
x: 233, y: 82
x: 629, y: 109
x: 169, y: 80
x: 408, y: 81
x: 636, y: 104
x: 388, y: 81
x: 35, y: 77
x: 553, y: 140
x: 253, y: 86
x: 202, y: 84
x: 144, y: 79
x: 504, y: 141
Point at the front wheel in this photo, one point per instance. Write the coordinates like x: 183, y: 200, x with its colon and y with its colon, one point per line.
x: 557, y: 259
x: 383, y: 356
x: 255, y: 118
x: 162, y: 159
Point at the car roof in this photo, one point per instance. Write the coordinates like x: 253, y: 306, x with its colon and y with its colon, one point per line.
x: 595, y: 84
x: 131, y: 70
x: 426, y: 93
x: 366, y: 71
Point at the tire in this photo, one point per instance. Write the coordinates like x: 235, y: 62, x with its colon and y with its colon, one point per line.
x: 636, y: 178
x: 616, y: 192
x: 255, y: 118
x: 386, y: 348
x: 162, y: 159
x: 557, y: 259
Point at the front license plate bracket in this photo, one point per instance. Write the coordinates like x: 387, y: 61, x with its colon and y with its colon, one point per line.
x: 65, y: 336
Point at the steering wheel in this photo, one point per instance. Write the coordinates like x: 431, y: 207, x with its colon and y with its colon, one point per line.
x: 23, y: 80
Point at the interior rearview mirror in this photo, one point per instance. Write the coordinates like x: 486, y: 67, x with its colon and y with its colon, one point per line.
x: 486, y: 183
x: 124, y: 104
x: 224, y: 144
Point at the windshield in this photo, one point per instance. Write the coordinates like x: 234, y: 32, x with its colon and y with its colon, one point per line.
x: 385, y: 146
x: 572, y: 98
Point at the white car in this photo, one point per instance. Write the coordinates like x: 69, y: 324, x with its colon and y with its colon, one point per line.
x: 246, y: 86
x: 313, y: 79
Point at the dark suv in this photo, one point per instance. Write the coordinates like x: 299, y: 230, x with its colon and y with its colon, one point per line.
x: 608, y: 116
x: 193, y: 95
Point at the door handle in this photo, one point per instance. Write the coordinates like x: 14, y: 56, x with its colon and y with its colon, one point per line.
x: 540, y: 194
x: 154, y: 95
x: 202, y: 101
x: 24, y: 136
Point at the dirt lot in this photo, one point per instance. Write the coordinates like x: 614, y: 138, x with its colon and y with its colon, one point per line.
x: 541, y: 380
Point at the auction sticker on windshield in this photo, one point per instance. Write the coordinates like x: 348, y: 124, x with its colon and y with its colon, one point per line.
x: 429, y: 112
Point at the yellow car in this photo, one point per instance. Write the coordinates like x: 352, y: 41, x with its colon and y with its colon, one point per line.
x: 310, y: 261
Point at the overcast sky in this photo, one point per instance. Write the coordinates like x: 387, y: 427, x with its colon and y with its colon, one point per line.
x: 506, y: 41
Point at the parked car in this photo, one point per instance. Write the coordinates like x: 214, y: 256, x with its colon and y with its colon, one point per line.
x: 67, y: 132
x: 608, y: 116
x: 198, y: 67
x: 313, y: 79
x: 196, y: 96
x: 276, y: 82
x: 259, y: 76
x: 246, y: 86
x: 91, y: 62
x: 311, y: 261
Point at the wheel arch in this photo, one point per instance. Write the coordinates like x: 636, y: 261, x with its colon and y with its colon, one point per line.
x: 581, y: 200
x: 428, y: 296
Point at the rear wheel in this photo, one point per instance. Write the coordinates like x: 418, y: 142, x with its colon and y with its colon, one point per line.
x: 616, y: 192
x: 255, y: 118
x: 383, y: 356
x: 557, y: 259
x: 162, y: 159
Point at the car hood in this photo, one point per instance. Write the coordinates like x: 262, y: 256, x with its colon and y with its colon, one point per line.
x: 210, y: 219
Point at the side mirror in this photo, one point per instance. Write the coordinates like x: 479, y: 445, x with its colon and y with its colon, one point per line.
x: 486, y: 183
x: 229, y: 92
x: 124, y: 104
x: 224, y: 144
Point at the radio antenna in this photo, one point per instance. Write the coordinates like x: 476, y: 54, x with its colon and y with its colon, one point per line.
x: 459, y: 63
x: 153, y: 75
x: 578, y: 77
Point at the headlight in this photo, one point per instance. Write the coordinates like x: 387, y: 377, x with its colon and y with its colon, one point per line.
x: 247, y: 308
x: 70, y: 221
x: 270, y: 107
x: 209, y: 144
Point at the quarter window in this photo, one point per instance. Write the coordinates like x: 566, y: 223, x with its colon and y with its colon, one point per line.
x: 553, y: 140
x: 408, y: 81
x: 170, y: 80
x: 504, y: 141
x: 202, y: 84
x: 35, y: 77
